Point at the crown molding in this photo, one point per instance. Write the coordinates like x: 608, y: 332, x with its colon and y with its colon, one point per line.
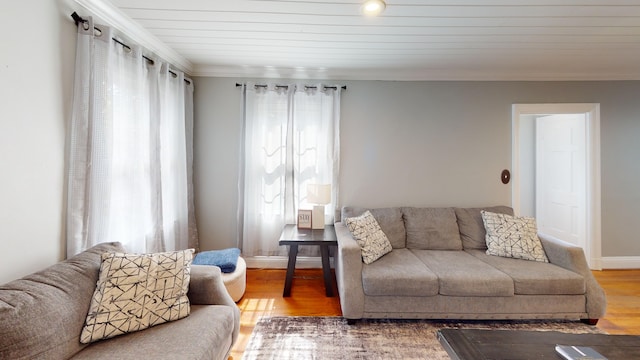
x: 109, y: 14
x: 408, y: 74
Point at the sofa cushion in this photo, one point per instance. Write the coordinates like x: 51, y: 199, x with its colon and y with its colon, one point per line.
x: 42, y: 314
x: 536, y: 278
x: 513, y: 237
x: 472, y: 230
x: 389, y: 219
x: 204, y: 334
x: 431, y: 228
x: 367, y: 233
x: 461, y: 274
x: 137, y: 291
x: 399, y: 273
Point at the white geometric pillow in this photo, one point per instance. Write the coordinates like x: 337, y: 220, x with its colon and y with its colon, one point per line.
x: 372, y: 240
x: 513, y: 237
x: 135, y: 292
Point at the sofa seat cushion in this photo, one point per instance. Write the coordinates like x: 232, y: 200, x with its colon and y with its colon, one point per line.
x: 42, y: 314
x: 461, y: 274
x: 204, y: 334
x: 399, y: 273
x: 389, y: 219
x: 535, y: 278
x: 472, y: 231
x: 432, y: 228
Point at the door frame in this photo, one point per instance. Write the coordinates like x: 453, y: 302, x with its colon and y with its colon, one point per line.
x: 593, y: 250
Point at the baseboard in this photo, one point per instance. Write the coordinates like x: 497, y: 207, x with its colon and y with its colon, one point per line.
x: 280, y: 262
x: 620, y: 262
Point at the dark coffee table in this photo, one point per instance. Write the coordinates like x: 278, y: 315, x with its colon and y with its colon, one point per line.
x: 475, y: 344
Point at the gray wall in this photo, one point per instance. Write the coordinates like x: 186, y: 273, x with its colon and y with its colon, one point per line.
x: 36, y: 82
x: 426, y: 144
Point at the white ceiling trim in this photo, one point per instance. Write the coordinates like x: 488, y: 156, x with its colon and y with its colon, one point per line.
x: 271, y: 72
x: 131, y: 29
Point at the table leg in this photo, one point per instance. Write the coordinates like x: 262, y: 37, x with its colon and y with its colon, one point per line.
x: 291, y: 267
x: 326, y: 270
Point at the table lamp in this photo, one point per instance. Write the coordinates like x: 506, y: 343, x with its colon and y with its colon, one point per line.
x: 319, y: 195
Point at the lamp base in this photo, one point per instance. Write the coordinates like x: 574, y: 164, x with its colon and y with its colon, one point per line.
x: 317, y: 217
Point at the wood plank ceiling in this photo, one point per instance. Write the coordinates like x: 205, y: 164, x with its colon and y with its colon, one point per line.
x: 411, y: 40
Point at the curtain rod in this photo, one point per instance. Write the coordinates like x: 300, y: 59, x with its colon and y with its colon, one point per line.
x: 78, y: 19
x: 344, y: 87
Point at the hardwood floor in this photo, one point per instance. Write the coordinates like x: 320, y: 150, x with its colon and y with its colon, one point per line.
x: 263, y: 297
x: 623, y: 301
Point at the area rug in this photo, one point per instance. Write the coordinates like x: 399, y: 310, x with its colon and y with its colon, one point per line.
x: 332, y: 338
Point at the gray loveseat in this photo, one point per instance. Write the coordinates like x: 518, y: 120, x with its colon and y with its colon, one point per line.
x: 439, y: 269
x: 42, y: 315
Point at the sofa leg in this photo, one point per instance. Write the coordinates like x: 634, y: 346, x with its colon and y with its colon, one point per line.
x: 351, y: 321
x: 592, y: 322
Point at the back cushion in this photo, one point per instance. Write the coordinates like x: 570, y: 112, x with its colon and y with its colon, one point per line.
x: 42, y: 314
x: 472, y: 230
x: 389, y: 219
x: 431, y: 228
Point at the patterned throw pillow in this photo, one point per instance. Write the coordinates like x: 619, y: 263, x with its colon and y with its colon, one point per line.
x: 367, y: 232
x: 135, y: 292
x: 513, y: 237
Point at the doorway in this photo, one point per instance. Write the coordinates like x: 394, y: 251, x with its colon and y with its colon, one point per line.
x: 556, y: 168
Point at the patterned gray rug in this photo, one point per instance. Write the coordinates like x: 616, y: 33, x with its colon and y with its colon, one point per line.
x: 332, y: 338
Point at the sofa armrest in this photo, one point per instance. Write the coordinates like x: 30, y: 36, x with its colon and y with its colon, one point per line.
x: 349, y: 274
x: 572, y: 258
x: 207, y: 288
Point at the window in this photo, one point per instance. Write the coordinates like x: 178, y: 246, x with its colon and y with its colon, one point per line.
x: 291, y: 140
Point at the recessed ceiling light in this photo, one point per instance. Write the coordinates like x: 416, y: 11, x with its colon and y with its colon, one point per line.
x: 373, y: 7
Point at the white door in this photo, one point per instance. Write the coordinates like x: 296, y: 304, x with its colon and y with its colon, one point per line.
x: 561, y: 176
x: 525, y: 159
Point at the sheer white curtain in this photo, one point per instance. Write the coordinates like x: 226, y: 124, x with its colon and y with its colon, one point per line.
x: 130, y: 142
x: 291, y: 139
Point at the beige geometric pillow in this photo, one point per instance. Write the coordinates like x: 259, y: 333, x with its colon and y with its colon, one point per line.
x: 135, y: 292
x: 367, y: 232
x: 513, y: 237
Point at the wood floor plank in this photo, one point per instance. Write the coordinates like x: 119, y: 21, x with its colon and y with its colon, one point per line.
x: 263, y: 297
x: 622, y: 288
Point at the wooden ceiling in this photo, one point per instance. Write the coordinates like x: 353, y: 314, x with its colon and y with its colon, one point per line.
x: 411, y: 40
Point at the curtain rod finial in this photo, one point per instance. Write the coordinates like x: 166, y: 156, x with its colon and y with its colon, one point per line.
x: 77, y: 18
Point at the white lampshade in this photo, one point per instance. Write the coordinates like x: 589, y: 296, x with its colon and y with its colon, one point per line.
x: 319, y: 194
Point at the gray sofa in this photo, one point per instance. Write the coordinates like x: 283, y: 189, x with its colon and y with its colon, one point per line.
x: 42, y: 315
x: 439, y: 269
